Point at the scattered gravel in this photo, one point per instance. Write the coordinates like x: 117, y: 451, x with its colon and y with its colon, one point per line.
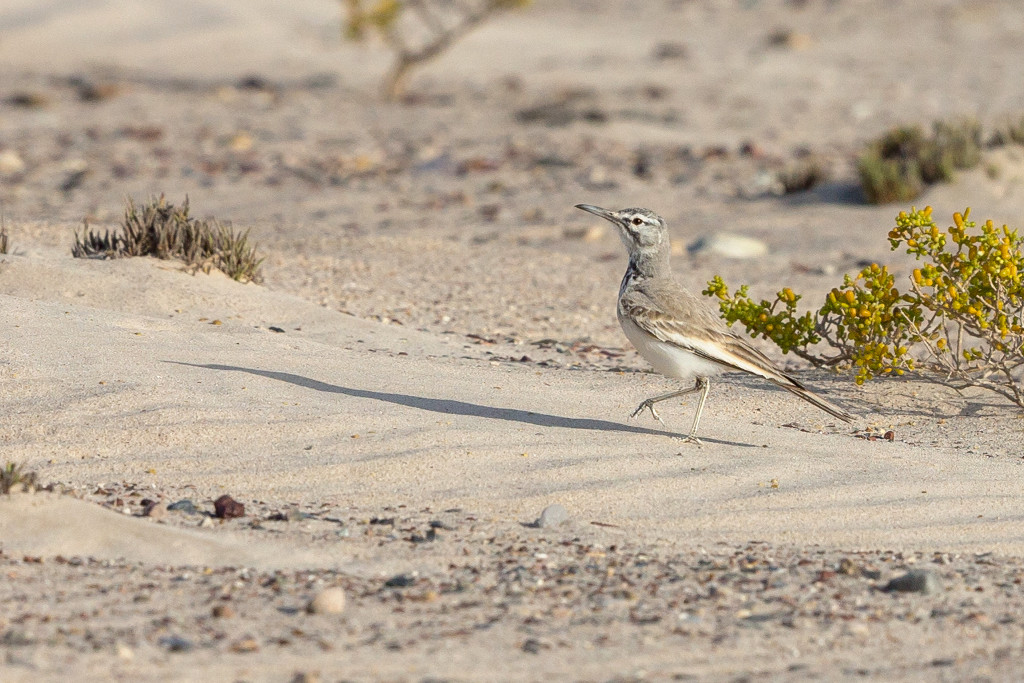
x: 513, y: 592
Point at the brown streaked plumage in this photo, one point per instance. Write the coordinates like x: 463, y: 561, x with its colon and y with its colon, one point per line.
x: 679, y: 334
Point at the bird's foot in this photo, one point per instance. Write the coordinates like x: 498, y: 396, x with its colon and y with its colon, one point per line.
x: 649, y: 405
x: 692, y: 438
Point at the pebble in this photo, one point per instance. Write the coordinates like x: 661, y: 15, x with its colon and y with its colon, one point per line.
x: 157, y: 509
x: 552, y: 515
x: 400, y: 581
x: 532, y: 646
x: 245, y: 645
x: 223, y: 611
x: 176, y: 644
x: 729, y: 245
x: 327, y: 601
x: 227, y: 507
x: 590, y: 233
x: 11, y: 163
x: 184, y: 505
x: 922, y: 581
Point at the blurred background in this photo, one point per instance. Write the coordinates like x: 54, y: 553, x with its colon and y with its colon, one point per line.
x: 449, y: 205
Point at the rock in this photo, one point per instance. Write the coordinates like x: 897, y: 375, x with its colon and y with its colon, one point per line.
x: 11, y: 163
x: 175, y: 644
x: 327, y: 601
x: 670, y: 51
x: 729, y: 245
x: 552, y: 515
x: 227, y: 507
x: 532, y: 646
x: 223, y: 611
x: 922, y: 581
x: 400, y: 581
x: 184, y: 505
x: 245, y: 645
x: 591, y: 233
x: 156, y: 509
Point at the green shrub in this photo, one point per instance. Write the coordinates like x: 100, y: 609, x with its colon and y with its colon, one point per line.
x: 901, y: 163
x: 162, y: 230
x: 959, y: 319
x: 13, y: 476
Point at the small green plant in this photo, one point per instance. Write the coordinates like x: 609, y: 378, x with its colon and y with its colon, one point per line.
x: 901, y: 163
x: 417, y: 31
x: 162, y: 230
x: 960, y: 318
x: 1010, y: 131
x: 14, y: 476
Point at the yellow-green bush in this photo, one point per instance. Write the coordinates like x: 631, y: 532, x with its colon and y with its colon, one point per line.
x: 960, y: 315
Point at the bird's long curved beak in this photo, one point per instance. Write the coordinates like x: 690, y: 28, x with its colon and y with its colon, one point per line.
x: 598, y: 211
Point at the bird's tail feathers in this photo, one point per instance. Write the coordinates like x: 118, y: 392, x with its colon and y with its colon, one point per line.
x: 815, y: 400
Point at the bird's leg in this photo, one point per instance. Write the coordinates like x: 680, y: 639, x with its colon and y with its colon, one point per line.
x: 704, y: 385
x: 700, y: 385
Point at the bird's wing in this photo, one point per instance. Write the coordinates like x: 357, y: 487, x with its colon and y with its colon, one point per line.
x: 689, y: 324
x: 670, y: 313
x: 715, y: 343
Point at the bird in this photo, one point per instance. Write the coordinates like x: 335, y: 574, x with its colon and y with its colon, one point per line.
x: 679, y: 334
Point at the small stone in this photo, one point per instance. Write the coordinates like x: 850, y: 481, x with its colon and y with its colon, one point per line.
x: 670, y: 51
x: 245, y: 645
x: 846, y: 566
x: 29, y: 100
x: 400, y: 581
x: 184, y: 505
x: 306, y: 677
x: 156, y: 509
x: 11, y: 163
x: 590, y: 233
x: 175, y: 644
x: 227, y: 507
x: 552, y: 515
x: 223, y: 611
x: 240, y: 142
x: 729, y: 245
x: 327, y: 601
x: 922, y: 581
x: 532, y: 646
x: 205, y: 523
x: 123, y: 652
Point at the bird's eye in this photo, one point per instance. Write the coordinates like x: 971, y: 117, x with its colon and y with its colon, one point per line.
x: 637, y: 221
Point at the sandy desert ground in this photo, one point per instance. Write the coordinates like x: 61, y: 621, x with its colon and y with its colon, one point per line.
x: 433, y: 357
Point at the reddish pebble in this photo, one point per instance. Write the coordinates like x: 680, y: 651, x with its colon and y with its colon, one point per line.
x: 227, y: 507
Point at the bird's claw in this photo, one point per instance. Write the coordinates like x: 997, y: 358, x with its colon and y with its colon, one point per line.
x: 654, y: 413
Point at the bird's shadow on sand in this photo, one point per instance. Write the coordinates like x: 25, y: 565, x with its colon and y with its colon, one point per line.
x: 453, y: 407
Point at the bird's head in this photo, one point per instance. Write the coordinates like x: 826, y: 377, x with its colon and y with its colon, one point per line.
x: 642, y: 231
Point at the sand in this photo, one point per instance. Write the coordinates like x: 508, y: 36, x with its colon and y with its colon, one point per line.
x: 433, y: 357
